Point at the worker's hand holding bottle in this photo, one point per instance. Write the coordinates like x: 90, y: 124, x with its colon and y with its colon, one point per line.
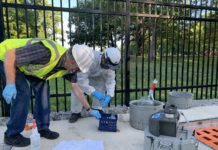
x: 95, y: 113
x: 9, y: 92
x: 106, y: 100
x: 98, y: 95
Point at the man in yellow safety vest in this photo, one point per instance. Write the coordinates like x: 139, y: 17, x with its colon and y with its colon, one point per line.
x: 37, y: 60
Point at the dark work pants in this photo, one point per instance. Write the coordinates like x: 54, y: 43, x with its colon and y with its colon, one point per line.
x: 20, y: 105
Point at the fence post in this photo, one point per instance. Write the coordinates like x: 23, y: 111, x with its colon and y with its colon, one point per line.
x: 4, y: 106
x: 1, y: 39
x: 127, y: 53
x: 2, y: 33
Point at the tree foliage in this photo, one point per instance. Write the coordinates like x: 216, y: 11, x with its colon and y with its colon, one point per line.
x: 24, y: 23
x: 186, y: 30
x: 96, y: 29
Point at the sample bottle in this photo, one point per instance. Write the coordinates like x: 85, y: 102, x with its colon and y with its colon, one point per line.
x: 151, y: 90
x: 35, y: 137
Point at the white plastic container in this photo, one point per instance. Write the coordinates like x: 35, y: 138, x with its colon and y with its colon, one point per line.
x: 35, y: 137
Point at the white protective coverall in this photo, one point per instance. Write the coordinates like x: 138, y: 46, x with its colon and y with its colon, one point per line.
x: 99, y: 79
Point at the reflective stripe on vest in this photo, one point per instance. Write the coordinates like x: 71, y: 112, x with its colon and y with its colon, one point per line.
x: 30, y: 68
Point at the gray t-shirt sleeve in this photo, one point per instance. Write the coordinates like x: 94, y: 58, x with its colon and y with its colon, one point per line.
x: 35, y: 53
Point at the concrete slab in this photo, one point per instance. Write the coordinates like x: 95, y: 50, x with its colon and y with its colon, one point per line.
x: 126, y: 138
x: 86, y: 128
x: 199, y: 113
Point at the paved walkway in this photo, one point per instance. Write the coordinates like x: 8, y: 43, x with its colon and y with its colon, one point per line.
x: 86, y: 128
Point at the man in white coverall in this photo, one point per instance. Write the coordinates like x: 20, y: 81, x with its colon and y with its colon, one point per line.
x: 99, y: 81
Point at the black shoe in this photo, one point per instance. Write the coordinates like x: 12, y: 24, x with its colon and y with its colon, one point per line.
x: 48, y: 134
x: 17, y: 140
x: 74, y: 117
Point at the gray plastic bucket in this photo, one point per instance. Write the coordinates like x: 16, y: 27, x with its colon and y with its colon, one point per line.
x: 182, y: 100
x: 140, y: 111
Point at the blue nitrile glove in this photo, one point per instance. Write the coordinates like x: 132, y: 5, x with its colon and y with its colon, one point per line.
x: 95, y: 113
x: 9, y: 92
x: 106, y: 100
x: 98, y: 95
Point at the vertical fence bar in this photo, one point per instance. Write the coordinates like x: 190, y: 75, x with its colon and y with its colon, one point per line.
x: 127, y: 53
x: 137, y: 34
x: 56, y: 93
x: 93, y: 26
x: 26, y: 19
x: 44, y: 19
x: 193, y: 52
x: 188, y: 52
x: 212, y: 68
x: 154, y: 39
x: 178, y: 49
x: 69, y: 22
x: 62, y: 42
x: 114, y: 42
x: 213, y: 55
x: 1, y: 98
x: 101, y: 28
x: 183, y: 49
x: 172, y: 49
x: 62, y: 26
x: 122, y: 61
x: 149, y: 47
x: 204, y: 46
x: 4, y: 106
x: 161, y: 55
x: 216, y: 83
x: 1, y: 39
x: 7, y: 20
x: 17, y: 19
x: 208, y: 59
x: 70, y: 30
x: 199, y: 50
x: 35, y: 19
x: 167, y: 41
x: 115, y: 45
x: 143, y: 52
x: 86, y: 22
x: 2, y: 35
x: 53, y: 20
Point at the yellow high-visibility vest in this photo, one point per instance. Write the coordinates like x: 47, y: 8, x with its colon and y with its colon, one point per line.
x: 40, y: 70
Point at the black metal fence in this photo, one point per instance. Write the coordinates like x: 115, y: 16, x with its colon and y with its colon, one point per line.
x: 175, y: 42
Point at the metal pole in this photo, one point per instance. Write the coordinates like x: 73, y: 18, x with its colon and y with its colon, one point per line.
x: 4, y: 107
x: 127, y: 53
x: 2, y: 33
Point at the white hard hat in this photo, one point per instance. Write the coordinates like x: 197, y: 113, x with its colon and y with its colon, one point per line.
x: 83, y: 56
x: 113, y: 54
